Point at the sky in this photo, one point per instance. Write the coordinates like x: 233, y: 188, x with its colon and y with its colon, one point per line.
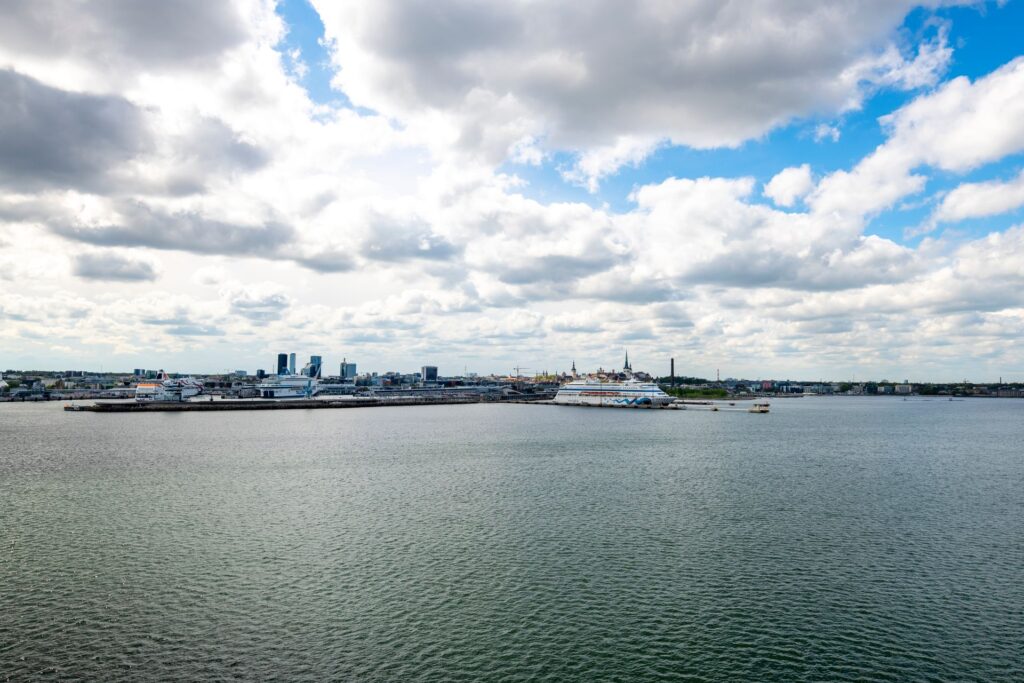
x: 767, y: 189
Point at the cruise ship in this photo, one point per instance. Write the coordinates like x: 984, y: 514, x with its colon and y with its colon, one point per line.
x: 629, y: 394
x: 163, y: 388
x: 289, y: 386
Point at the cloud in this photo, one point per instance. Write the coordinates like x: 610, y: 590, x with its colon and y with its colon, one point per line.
x: 825, y: 131
x: 207, y: 149
x: 599, y: 162
x: 216, y: 156
x: 554, y: 268
x: 331, y: 261
x: 52, y: 138
x: 258, y: 304
x: 112, y: 266
x: 977, y: 200
x: 121, y: 36
x: 789, y: 185
x: 397, y: 239
x: 957, y: 128
x: 589, y: 76
x: 209, y: 275
x: 145, y: 226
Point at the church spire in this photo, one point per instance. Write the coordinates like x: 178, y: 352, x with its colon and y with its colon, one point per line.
x: 626, y: 364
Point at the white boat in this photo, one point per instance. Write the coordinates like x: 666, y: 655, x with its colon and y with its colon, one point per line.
x: 758, y: 408
x: 629, y: 394
x: 163, y: 388
x: 289, y: 386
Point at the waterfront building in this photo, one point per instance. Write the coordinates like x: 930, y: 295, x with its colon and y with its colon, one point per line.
x: 313, y: 367
x: 261, y: 374
x: 429, y: 373
x: 282, y: 363
x: 291, y: 363
x: 348, y: 370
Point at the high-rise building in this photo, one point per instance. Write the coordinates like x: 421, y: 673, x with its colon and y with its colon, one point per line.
x: 261, y: 373
x: 429, y: 373
x: 348, y: 370
x: 282, y: 363
x: 315, y: 365
x: 291, y: 363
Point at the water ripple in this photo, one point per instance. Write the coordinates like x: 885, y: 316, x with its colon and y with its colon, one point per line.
x: 836, y: 540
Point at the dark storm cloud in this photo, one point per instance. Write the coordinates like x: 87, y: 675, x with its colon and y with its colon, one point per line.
x: 114, y: 34
x: 54, y: 138
x: 113, y: 267
x: 185, y: 231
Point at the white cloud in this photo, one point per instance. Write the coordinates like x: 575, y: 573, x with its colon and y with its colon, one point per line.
x: 789, y: 185
x: 977, y: 200
x: 608, y: 79
x: 825, y: 131
x: 957, y: 128
x: 598, y: 162
x: 281, y: 224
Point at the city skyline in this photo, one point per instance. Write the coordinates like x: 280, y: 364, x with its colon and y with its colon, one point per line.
x: 826, y: 190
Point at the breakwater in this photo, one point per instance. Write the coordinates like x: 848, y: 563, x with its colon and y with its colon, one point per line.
x: 259, y: 404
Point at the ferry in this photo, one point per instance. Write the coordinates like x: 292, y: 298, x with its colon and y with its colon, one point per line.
x: 163, y: 388
x: 289, y: 386
x: 629, y: 394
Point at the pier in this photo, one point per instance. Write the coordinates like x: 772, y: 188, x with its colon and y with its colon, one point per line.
x: 261, y: 404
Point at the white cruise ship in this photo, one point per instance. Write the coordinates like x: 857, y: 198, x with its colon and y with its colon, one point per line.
x: 629, y: 394
x: 289, y: 386
x: 164, y: 388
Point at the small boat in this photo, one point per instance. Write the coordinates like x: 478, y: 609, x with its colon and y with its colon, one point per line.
x: 758, y: 408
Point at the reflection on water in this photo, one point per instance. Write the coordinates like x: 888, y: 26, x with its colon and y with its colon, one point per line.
x: 834, y: 539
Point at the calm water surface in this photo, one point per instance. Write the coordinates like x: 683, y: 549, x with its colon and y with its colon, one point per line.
x: 834, y: 539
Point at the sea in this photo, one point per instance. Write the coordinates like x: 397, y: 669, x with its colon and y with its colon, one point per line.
x: 833, y: 539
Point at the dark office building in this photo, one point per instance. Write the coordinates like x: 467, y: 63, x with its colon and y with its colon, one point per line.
x: 429, y: 373
x: 282, y: 363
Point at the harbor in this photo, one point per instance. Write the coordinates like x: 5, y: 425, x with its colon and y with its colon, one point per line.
x: 375, y: 402
x: 261, y: 404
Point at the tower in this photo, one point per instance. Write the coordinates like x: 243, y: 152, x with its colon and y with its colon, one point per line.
x: 625, y: 366
x: 291, y: 363
x: 282, y: 363
x: 574, y: 368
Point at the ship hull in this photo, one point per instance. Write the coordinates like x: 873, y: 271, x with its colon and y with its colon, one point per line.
x: 612, y: 396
